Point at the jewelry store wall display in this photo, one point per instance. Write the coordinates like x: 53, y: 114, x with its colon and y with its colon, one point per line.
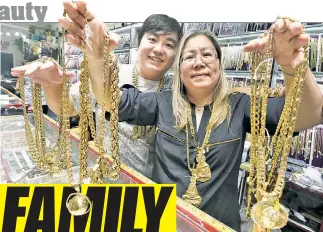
x: 197, y: 26
x: 313, y: 52
x: 252, y: 27
x: 226, y: 29
x: 263, y: 26
x: 239, y: 28
x: 41, y: 34
x: 320, y: 67
x: 244, y: 63
x: 73, y: 62
x: 123, y: 58
x: 70, y: 50
x: 76, y: 77
x: 317, y: 160
x: 239, y: 82
x: 216, y: 28
x: 301, y: 146
x: 124, y: 42
x: 232, y: 55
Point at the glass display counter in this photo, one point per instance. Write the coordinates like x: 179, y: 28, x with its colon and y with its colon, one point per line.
x: 20, y: 169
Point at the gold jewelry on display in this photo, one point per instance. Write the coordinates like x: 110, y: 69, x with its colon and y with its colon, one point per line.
x: 268, y: 213
x: 141, y: 131
x: 321, y: 55
x: 313, y: 51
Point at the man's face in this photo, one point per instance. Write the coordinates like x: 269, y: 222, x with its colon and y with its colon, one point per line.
x: 156, y: 52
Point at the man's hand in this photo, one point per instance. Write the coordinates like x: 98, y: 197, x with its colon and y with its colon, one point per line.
x: 77, y: 13
x: 47, y: 74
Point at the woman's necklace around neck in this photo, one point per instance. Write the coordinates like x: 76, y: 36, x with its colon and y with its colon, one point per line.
x: 135, y: 79
x: 199, y: 108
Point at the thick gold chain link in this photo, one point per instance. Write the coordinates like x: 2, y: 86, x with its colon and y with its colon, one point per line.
x: 141, y: 131
x: 263, y: 151
x: 48, y: 160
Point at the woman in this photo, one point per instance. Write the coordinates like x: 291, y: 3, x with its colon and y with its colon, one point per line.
x: 201, y: 122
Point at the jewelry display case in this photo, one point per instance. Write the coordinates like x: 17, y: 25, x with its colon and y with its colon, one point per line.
x: 16, y: 166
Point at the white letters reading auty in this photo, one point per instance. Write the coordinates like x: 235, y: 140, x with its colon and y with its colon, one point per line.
x: 22, y: 13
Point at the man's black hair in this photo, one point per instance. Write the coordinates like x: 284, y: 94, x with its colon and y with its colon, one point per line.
x: 160, y: 22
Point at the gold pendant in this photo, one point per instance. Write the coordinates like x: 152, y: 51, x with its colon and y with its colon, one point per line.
x: 203, y: 170
x: 192, y: 196
x: 78, y: 204
x: 97, y: 172
x: 268, y: 215
x: 114, y: 171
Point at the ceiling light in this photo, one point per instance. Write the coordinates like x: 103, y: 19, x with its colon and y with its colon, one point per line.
x: 7, y: 33
x: 17, y: 34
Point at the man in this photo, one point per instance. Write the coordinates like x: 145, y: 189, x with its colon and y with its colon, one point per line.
x: 158, y: 40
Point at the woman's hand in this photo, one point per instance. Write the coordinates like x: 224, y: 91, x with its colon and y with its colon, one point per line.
x: 288, y: 42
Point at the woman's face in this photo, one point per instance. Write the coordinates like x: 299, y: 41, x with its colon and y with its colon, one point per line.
x: 200, y: 66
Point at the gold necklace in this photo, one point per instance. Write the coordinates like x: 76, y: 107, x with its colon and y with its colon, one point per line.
x: 268, y: 213
x: 78, y: 203
x: 51, y: 160
x: 48, y: 160
x: 201, y: 108
x: 102, y: 168
x: 141, y: 131
x: 191, y: 195
x: 60, y: 156
x: 202, y: 168
x: 201, y: 172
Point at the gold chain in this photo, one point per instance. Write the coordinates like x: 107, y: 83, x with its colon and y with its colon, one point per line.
x: 203, y: 170
x: 207, y: 135
x: 191, y: 195
x: 268, y: 213
x: 141, y: 131
x: 48, y: 160
x: 100, y: 170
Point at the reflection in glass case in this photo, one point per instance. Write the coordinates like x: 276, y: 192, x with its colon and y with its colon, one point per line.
x: 123, y: 58
x: 124, y: 41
